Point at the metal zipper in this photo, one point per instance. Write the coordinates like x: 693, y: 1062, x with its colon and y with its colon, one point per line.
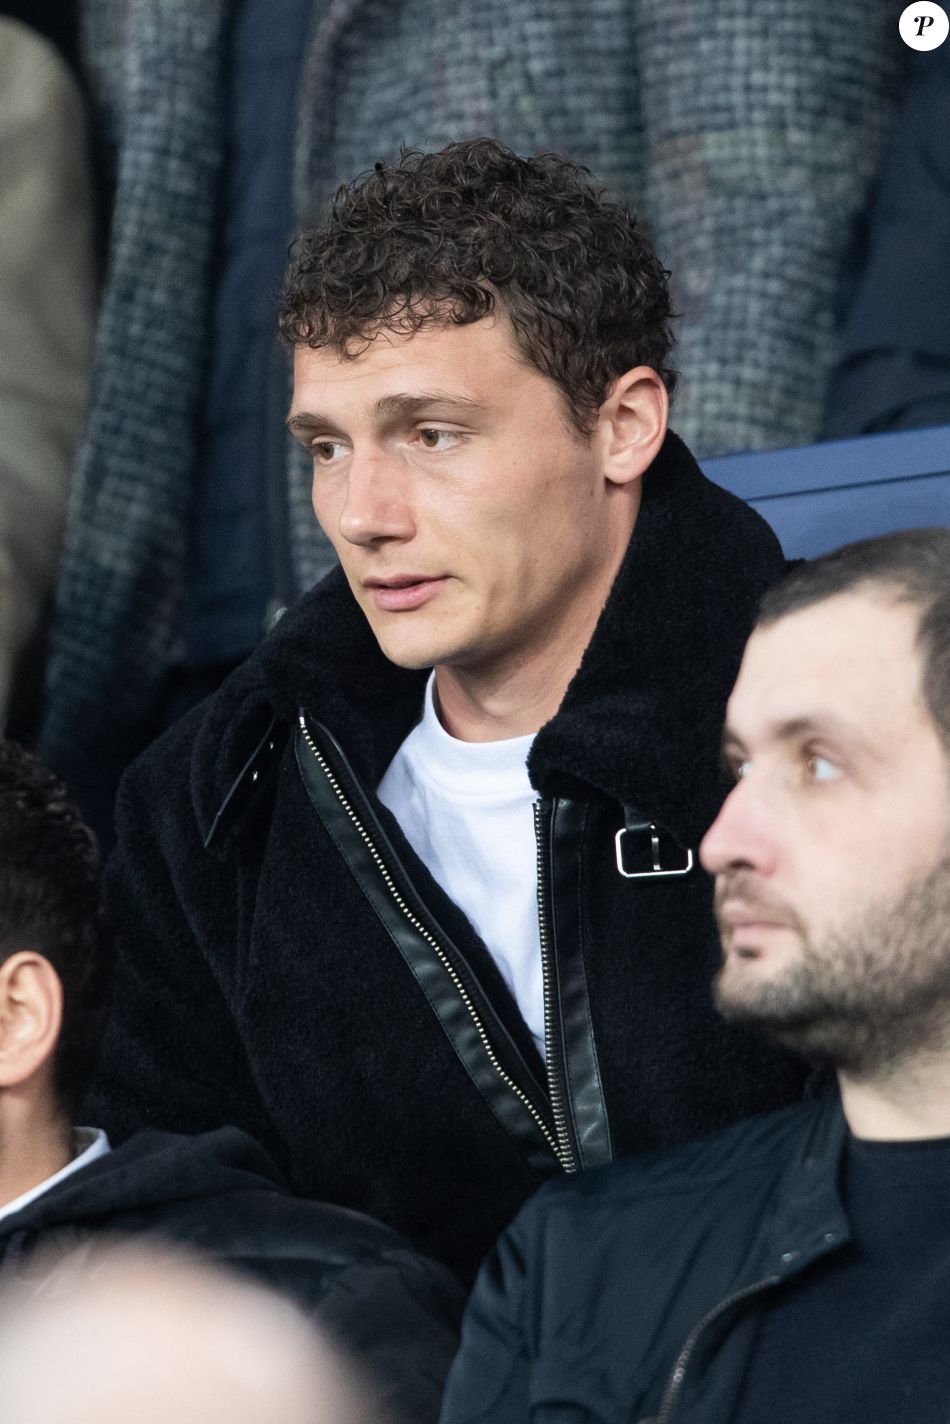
x: 677, y: 1377
x: 421, y: 929
x: 564, y: 1148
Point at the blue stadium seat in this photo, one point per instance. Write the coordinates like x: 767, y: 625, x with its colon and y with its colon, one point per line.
x: 818, y: 496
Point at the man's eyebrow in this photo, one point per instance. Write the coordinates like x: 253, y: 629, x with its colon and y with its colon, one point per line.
x: 818, y: 724
x: 410, y: 403
x: 812, y: 724
x: 302, y: 423
x: 398, y: 406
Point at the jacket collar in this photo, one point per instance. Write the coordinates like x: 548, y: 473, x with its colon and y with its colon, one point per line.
x: 151, y: 1169
x: 642, y: 716
x: 809, y: 1219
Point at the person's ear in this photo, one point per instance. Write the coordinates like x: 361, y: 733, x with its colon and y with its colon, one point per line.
x: 632, y: 424
x: 31, y: 1015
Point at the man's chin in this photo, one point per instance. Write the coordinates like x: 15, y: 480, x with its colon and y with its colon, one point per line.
x: 745, y: 994
x: 773, y: 1011
x: 407, y: 648
x: 415, y: 649
x: 744, y: 984
x: 412, y: 659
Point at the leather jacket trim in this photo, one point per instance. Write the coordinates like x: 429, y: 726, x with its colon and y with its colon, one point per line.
x: 248, y: 780
x: 493, y: 1061
x: 576, y: 1053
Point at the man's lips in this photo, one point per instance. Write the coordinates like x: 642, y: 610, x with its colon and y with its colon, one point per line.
x: 739, y: 916
x: 402, y: 592
x: 745, y: 925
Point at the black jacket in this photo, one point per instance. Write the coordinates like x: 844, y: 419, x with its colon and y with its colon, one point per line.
x: 630, y: 1294
x: 286, y: 962
x: 393, y: 1310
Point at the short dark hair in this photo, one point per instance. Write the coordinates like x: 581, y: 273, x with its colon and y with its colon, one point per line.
x: 51, y: 903
x: 913, y: 564
x: 444, y: 237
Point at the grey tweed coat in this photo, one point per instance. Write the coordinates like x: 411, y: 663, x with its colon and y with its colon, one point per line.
x: 745, y: 131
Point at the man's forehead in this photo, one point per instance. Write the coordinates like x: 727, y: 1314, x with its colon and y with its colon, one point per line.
x: 382, y: 347
x: 475, y: 364
x: 851, y: 659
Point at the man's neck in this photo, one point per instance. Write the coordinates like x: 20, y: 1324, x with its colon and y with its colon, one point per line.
x: 475, y: 709
x: 33, y: 1147
x: 910, y: 1102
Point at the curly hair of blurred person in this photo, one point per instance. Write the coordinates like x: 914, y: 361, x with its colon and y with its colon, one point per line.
x: 50, y: 901
x: 585, y: 293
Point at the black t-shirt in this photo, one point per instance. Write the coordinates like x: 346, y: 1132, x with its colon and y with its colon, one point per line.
x: 864, y: 1336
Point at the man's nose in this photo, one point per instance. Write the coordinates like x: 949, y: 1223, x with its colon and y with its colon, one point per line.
x: 742, y: 835
x: 376, y: 505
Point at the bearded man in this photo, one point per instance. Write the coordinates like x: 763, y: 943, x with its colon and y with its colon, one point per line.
x: 796, y: 1267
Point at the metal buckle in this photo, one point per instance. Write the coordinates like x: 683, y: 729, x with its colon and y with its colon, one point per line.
x: 658, y: 870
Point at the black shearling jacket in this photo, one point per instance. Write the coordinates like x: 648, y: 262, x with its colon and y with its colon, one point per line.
x: 394, y: 1311
x: 286, y: 963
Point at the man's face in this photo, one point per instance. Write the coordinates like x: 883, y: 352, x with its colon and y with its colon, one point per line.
x: 832, y: 853
x: 472, y: 522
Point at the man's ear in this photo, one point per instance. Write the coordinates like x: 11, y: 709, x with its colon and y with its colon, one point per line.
x: 31, y: 1015
x: 631, y: 424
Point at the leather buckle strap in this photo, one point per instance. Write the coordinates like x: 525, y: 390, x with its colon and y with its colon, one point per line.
x: 651, y: 847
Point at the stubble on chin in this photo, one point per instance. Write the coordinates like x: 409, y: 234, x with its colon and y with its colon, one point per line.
x: 865, y: 997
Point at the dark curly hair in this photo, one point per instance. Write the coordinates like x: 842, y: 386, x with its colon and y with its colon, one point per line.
x: 442, y: 237
x: 51, y: 903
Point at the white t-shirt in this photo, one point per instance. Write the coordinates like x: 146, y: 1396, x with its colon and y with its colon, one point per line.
x: 88, y: 1144
x: 466, y: 810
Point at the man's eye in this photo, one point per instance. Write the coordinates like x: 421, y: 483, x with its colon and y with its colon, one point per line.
x: 733, y: 768
x: 438, y: 439
x: 325, y: 452
x: 821, y: 769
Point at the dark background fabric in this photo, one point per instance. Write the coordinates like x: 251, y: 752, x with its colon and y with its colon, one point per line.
x: 229, y: 579
x: 894, y: 366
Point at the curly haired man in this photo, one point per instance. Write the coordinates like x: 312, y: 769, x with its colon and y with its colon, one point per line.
x: 414, y: 897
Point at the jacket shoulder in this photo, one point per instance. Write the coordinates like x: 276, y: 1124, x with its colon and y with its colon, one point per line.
x: 764, y: 1142
x: 202, y: 770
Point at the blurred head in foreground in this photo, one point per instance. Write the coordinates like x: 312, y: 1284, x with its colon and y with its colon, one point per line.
x: 146, y: 1337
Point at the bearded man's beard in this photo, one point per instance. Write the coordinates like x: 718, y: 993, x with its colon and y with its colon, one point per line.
x: 871, y: 994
